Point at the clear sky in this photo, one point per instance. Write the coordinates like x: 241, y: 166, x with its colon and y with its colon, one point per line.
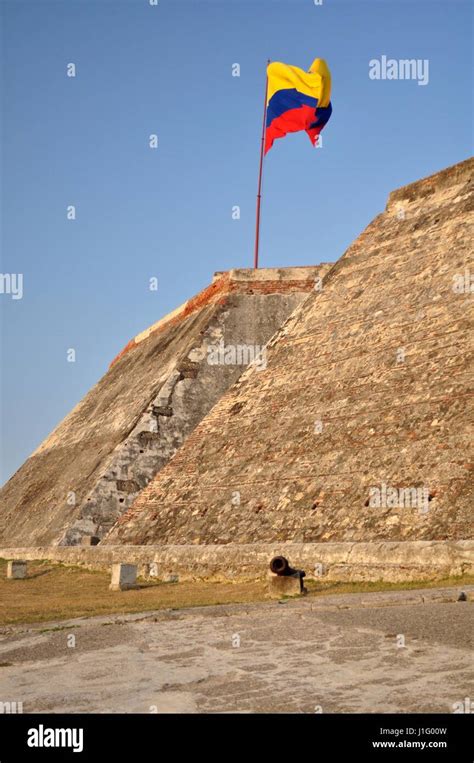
x: 143, y: 69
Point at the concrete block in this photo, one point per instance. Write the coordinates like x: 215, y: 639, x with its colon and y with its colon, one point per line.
x: 285, y: 585
x: 16, y: 569
x: 124, y: 577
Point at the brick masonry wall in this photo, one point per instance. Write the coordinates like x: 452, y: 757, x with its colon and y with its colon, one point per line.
x: 367, y: 385
x: 94, y: 464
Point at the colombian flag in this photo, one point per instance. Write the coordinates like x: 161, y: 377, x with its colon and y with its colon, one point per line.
x: 297, y: 100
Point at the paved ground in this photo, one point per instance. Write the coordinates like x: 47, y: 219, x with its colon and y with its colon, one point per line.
x: 339, y: 653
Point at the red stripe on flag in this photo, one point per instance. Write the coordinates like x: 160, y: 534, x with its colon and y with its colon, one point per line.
x: 292, y: 120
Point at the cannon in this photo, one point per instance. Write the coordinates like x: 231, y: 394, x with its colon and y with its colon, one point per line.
x: 284, y: 580
x: 279, y: 565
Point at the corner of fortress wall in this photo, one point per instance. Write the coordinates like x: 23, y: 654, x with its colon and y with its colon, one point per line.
x: 242, y: 280
x: 380, y: 358
x: 136, y: 417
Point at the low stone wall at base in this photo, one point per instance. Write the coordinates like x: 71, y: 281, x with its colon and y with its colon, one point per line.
x: 389, y: 561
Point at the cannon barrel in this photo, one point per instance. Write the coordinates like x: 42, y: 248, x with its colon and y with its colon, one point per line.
x: 279, y: 565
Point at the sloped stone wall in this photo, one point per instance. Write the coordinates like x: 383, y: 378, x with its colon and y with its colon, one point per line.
x: 94, y: 464
x: 359, y: 427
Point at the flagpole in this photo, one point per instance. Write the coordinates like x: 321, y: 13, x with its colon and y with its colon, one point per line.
x: 260, y: 173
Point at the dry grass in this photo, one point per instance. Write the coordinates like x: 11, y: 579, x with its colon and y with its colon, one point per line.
x: 57, y: 592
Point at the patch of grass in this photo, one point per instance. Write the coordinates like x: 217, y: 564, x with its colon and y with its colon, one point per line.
x: 67, y: 592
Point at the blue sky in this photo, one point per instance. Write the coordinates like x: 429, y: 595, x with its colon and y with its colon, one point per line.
x: 166, y: 212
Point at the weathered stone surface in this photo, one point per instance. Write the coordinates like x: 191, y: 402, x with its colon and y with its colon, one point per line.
x: 391, y: 561
x: 366, y: 388
x: 16, y: 569
x: 328, y: 654
x: 124, y: 577
x: 90, y: 540
x: 285, y: 585
x: 91, y: 468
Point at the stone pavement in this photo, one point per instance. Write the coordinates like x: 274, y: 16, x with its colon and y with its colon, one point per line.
x: 339, y: 653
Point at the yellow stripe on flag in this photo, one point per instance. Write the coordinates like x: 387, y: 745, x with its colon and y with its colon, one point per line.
x: 316, y: 83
